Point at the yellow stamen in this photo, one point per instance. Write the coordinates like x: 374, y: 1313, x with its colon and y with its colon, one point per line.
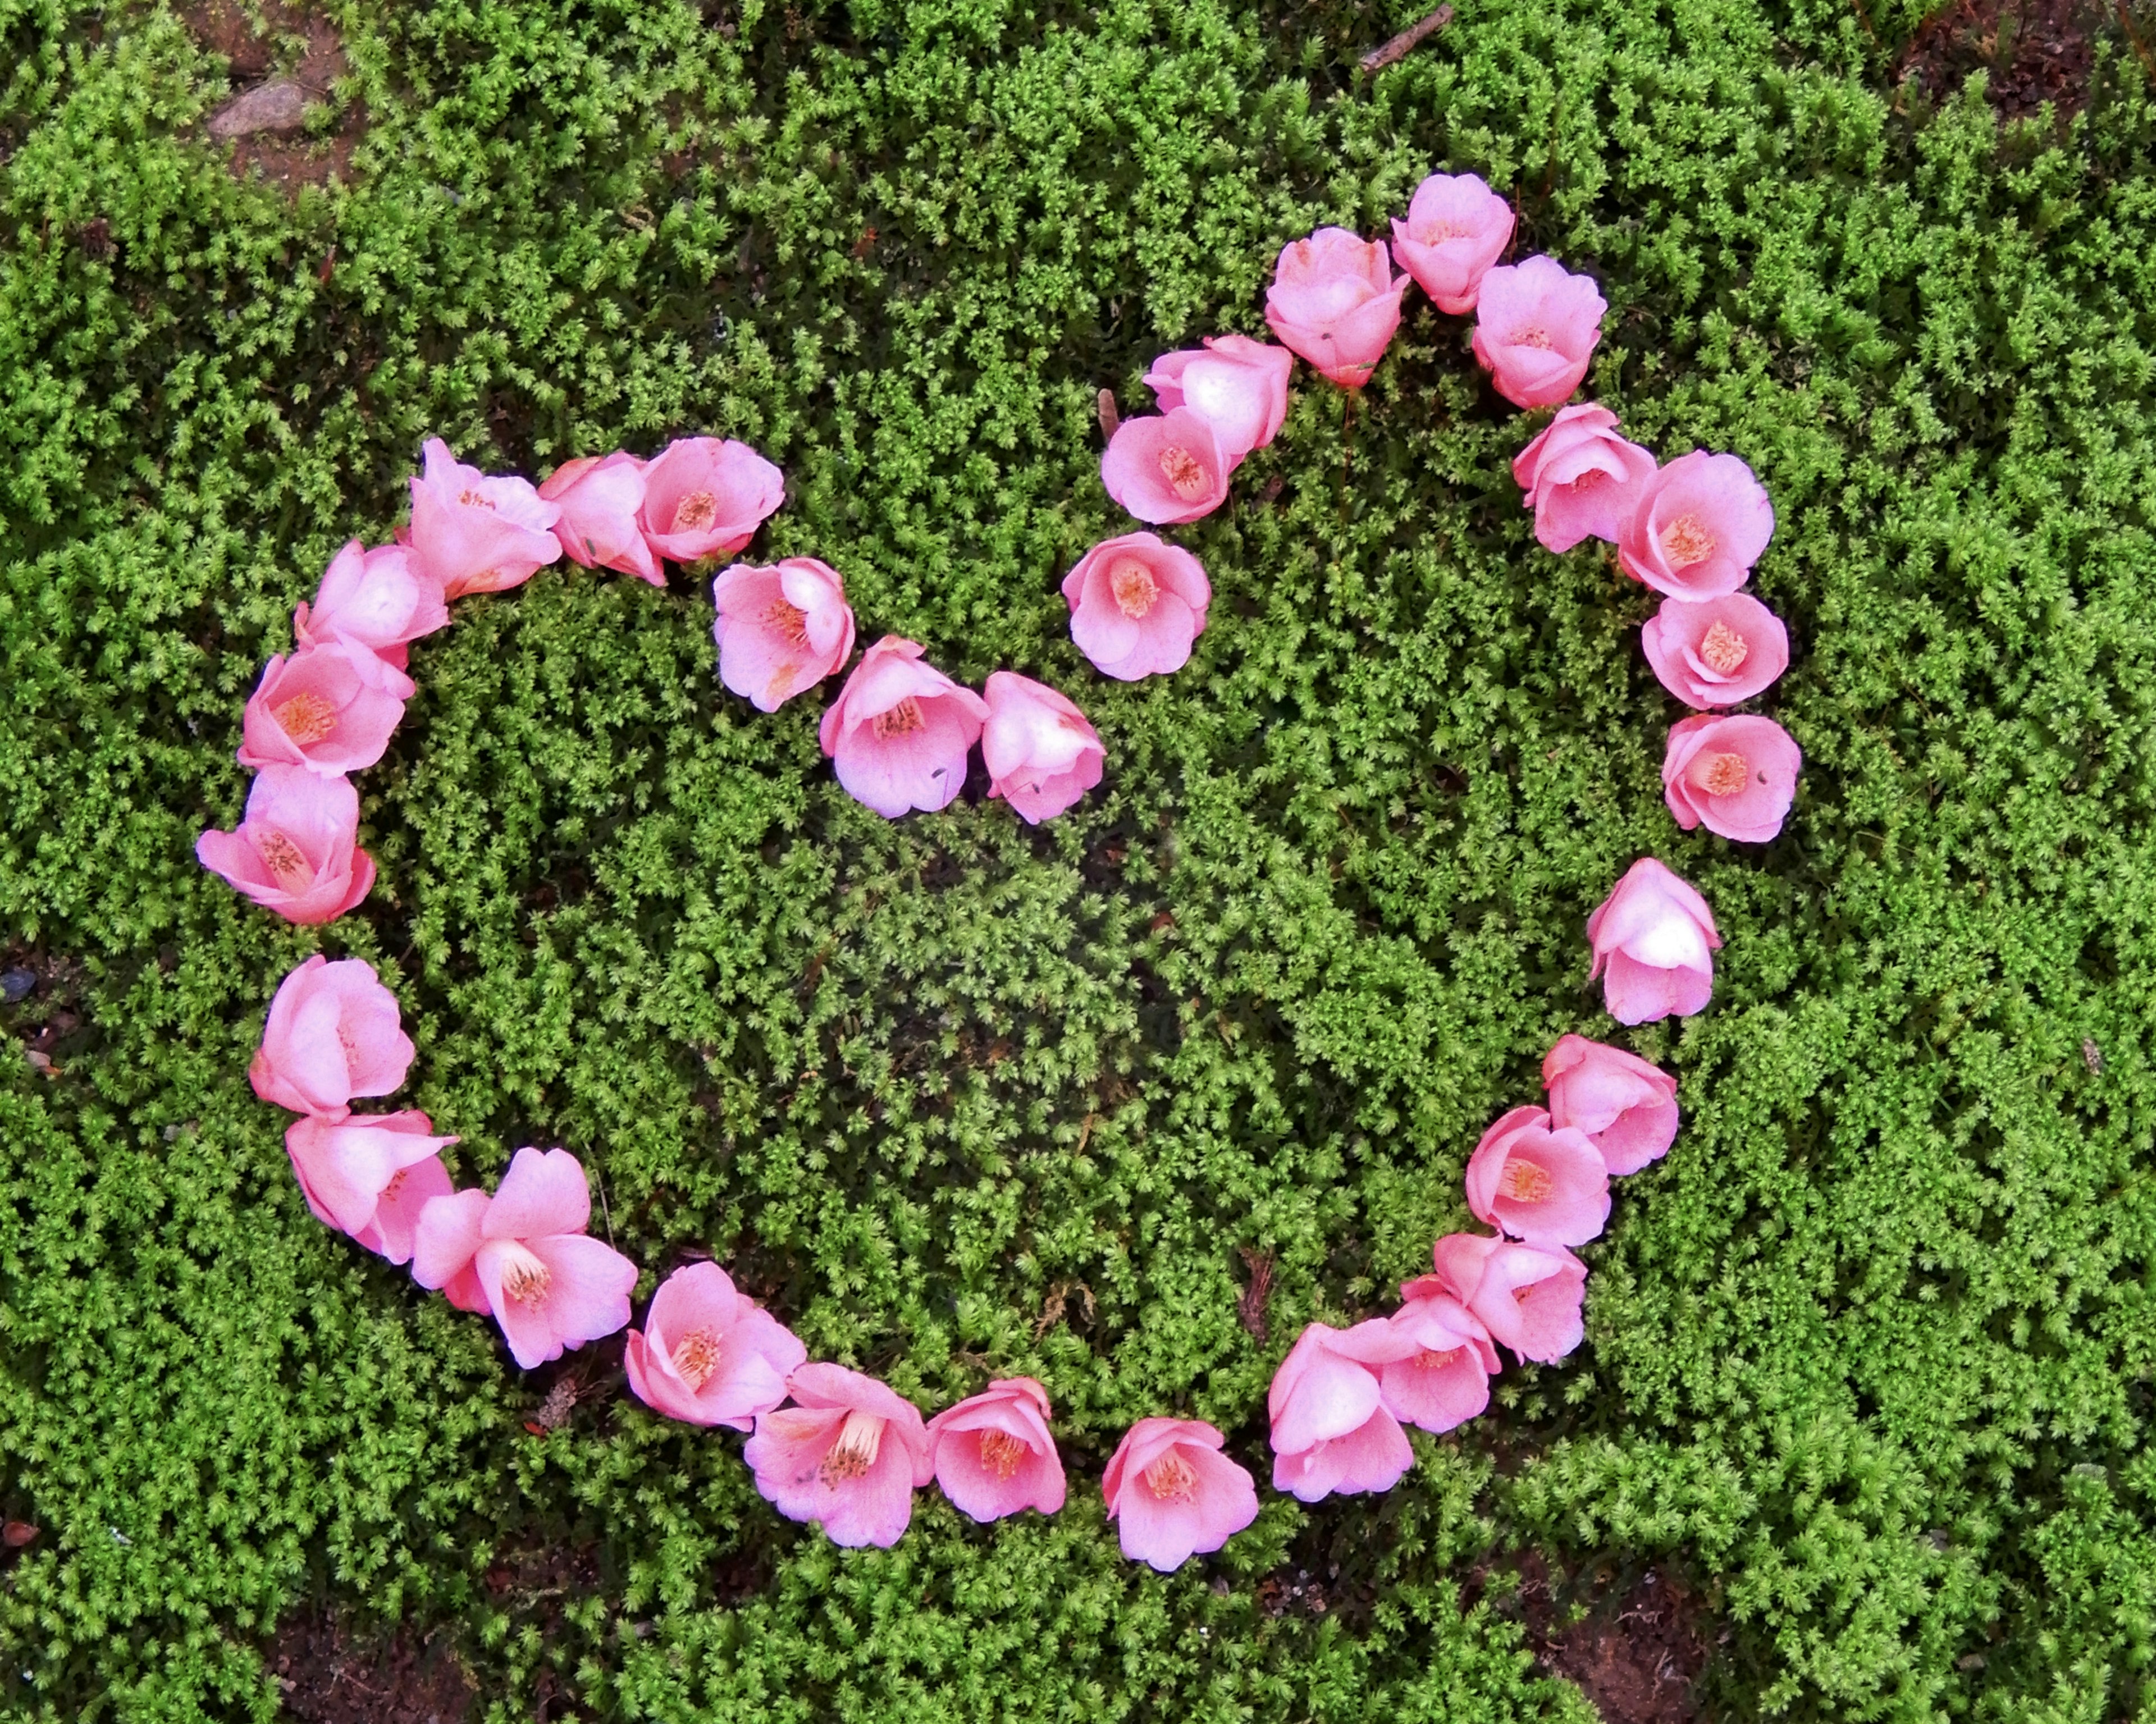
x: 1426, y: 1360
x: 861, y: 1438
x: 790, y: 623
x: 900, y: 721
x: 472, y: 499
x: 1525, y: 1183
x: 306, y: 718
x: 285, y: 863
x: 1532, y: 336
x: 1720, y: 774
x: 1684, y: 542
x: 1184, y: 472
x: 1001, y: 1454
x: 524, y: 1278
x: 1134, y: 587
x: 1171, y: 1479
x: 697, y: 1356
x: 695, y: 512
x: 1723, y: 651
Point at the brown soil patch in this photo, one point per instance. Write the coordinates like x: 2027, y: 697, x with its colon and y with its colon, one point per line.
x: 2031, y: 51
x: 1638, y: 1650
x: 228, y: 28
x: 331, y: 1676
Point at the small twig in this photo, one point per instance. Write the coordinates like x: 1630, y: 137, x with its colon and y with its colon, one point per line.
x: 1409, y: 39
x: 2140, y: 47
x: 1110, y: 419
x: 1251, y: 1308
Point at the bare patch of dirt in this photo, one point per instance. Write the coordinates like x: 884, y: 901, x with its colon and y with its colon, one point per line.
x: 331, y: 1676
x: 260, y: 125
x: 2031, y: 51
x: 1637, y: 1648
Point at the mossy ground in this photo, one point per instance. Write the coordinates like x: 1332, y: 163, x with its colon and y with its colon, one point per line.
x: 1869, y: 1356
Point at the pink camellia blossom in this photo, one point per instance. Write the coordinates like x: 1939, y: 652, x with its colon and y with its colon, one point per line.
x: 1166, y: 467
x: 1238, y: 386
x: 849, y: 1454
x: 548, y: 1284
x: 329, y: 707
x: 296, y: 850
x: 1657, y: 937
x: 781, y: 630
x: 994, y: 1454
x: 333, y: 1033
x: 1535, y: 326
x: 1332, y: 1430
x: 1581, y: 478
x: 1445, y: 1381
x: 471, y: 533
x: 1136, y: 606
x: 1172, y: 1493
x: 1528, y: 1296
x: 900, y: 730
x: 1697, y: 527
x: 1735, y: 776
x: 1335, y: 301
x: 1041, y: 752
x: 377, y: 597
x: 600, y: 498
x: 1457, y: 228
x: 709, y: 1355
x: 369, y: 1175
x: 705, y: 496
x: 1715, y: 652
x: 1546, y: 1186
x: 1628, y: 1107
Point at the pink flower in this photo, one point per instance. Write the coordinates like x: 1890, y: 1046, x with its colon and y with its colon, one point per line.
x: 1445, y: 1381
x: 1627, y: 1107
x: 1135, y: 605
x: 1535, y: 329
x: 377, y: 597
x: 1166, y: 467
x: 1697, y: 527
x: 329, y: 707
x: 705, y: 497
x: 1456, y: 228
x: 296, y: 850
x: 549, y: 1285
x: 781, y: 630
x: 1656, y: 934
x: 1332, y: 1430
x: 474, y: 534
x: 333, y: 1033
x: 1715, y: 652
x: 1737, y: 776
x: 1527, y: 1296
x: 1040, y: 751
x: 1335, y: 301
x: 994, y: 1454
x: 900, y: 730
x: 1546, y: 1187
x: 1581, y: 478
x: 1238, y: 386
x: 369, y: 1175
x: 849, y: 1453
x: 708, y: 1355
x: 600, y: 497
x: 1175, y: 1494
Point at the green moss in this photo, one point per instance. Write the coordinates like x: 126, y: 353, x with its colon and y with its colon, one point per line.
x: 1869, y: 1355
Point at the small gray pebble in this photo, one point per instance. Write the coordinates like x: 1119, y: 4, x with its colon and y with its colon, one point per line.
x: 17, y: 986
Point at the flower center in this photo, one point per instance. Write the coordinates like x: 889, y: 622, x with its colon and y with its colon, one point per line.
x: 1723, y: 651
x: 1001, y: 1453
x: 1183, y: 471
x: 1427, y: 1360
x: 1720, y: 774
x: 472, y: 499
x: 1171, y: 1479
x: 1134, y: 586
x: 395, y: 1184
x: 1533, y: 336
x: 697, y: 1357
x: 1439, y: 231
x: 695, y: 512
x: 790, y: 623
x: 285, y: 860
x: 524, y: 1278
x: 306, y: 718
x: 900, y: 721
x: 859, y: 1439
x: 1684, y: 542
x: 1524, y: 1182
